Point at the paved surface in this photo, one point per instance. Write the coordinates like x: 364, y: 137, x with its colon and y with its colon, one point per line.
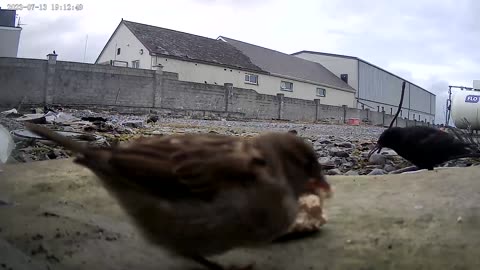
x: 54, y: 215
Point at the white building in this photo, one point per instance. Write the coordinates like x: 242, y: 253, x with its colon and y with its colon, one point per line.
x: 376, y: 88
x: 9, y: 33
x: 223, y: 60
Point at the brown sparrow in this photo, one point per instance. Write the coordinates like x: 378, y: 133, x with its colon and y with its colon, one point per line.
x: 199, y: 195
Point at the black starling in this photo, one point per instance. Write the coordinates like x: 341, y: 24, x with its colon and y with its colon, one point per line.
x: 425, y: 147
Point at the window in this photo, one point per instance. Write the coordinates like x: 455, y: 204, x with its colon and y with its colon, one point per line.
x: 251, y: 79
x: 136, y: 64
x: 321, y: 92
x: 286, y: 86
x: 118, y: 51
x: 344, y: 77
x: 413, y: 116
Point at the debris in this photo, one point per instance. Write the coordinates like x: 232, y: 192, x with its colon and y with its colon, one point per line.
x: 95, y: 119
x: 152, y: 119
x: 50, y: 116
x: 459, y: 219
x: 24, y: 134
x: 12, y: 111
x: 35, y: 118
x: 64, y: 118
x: 6, y: 144
x: 133, y: 123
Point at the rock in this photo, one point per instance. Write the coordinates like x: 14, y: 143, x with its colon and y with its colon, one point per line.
x: 377, y: 159
x: 345, y: 145
x: 371, y: 167
x: 325, y: 142
x: 389, y: 168
x: 377, y: 172
x: 336, y: 152
x: 334, y: 172
x: 326, y: 162
x: 338, y: 161
x: 322, y: 153
x: 352, y: 172
x: 347, y: 164
x: 293, y: 131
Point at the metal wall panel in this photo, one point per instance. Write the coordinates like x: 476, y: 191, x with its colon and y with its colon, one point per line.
x: 380, y: 86
x: 376, y: 85
x: 420, y: 100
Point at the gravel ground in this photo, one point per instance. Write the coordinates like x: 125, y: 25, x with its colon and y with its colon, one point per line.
x: 342, y: 149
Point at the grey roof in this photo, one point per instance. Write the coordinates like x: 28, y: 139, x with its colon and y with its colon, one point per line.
x: 190, y: 47
x: 360, y: 59
x: 288, y: 65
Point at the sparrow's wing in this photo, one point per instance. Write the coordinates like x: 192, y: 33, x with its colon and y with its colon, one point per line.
x: 188, y: 164
x: 170, y: 166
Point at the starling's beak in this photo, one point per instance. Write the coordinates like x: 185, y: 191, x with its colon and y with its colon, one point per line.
x: 377, y: 147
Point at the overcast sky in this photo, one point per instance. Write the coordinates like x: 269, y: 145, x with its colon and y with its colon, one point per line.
x: 433, y: 43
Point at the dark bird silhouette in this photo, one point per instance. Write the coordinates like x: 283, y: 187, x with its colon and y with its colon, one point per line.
x: 425, y: 147
x: 199, y: 195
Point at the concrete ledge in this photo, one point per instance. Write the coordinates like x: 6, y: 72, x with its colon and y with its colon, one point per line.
x: 427, y: 220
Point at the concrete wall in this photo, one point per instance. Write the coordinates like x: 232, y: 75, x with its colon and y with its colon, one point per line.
x: 22, y: 79
x: 9, y: 40
x: 337, y: 65
x: 35, y: 82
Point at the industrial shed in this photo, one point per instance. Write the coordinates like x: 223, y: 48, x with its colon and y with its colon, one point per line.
x: 376, y: 88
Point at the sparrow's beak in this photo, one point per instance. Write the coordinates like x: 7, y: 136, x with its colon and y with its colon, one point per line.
x: 320, y: 187
x: 377, y: 147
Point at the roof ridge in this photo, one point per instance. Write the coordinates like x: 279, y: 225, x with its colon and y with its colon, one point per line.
x: 168, y: 29
x: 301, y: 59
